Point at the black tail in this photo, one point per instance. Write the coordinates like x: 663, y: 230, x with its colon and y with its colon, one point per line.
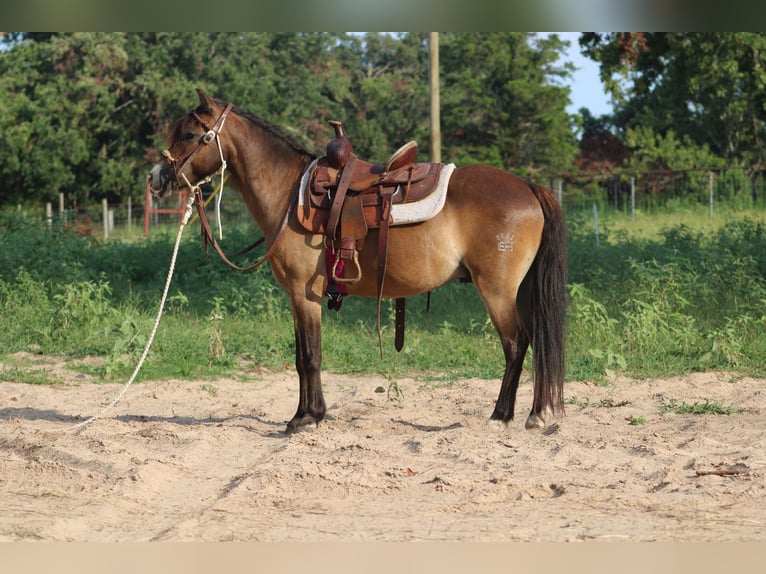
x: 548, y: 332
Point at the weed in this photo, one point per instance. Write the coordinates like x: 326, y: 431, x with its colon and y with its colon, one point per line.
x: 683, y: 408
x: 216, y: 350
x: 395, y: 390
x: 177, y: 302
x: 210, y: 389
x: 727, y: 343
x: 595, y: 332
x: 603, y: 403
x: 655, y: 316
x: 129, y: 341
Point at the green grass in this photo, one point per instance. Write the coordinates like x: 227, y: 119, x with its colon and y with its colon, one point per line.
x: 210, y: 389
x: 654, y: 224
x: 17, y: 374
x: 658, y: 298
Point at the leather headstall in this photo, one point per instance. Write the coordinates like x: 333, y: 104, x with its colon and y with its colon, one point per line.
x: 207, y: 235
x: 179, y: 164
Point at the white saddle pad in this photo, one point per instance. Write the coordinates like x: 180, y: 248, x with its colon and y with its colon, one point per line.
x: 401, y: 213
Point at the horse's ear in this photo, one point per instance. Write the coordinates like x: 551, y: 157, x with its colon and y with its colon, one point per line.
x: 205, y: 101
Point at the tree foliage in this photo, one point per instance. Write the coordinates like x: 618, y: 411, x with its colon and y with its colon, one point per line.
x: 85, y: 113
x: 502, y: 102
x: 703, y: 90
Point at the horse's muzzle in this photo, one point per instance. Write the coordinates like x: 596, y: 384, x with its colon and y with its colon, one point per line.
x: 160, y: 180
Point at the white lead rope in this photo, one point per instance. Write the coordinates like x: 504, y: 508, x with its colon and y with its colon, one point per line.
x: 220, y: 194
x: 118, y: 398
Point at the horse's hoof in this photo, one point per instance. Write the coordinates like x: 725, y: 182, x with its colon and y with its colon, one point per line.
x: 534, y: 421
x: 300, y: 424
x: 498, y: 425
x: 537, y: 420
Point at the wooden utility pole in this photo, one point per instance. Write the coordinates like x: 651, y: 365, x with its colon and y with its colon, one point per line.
x: 436, y: 134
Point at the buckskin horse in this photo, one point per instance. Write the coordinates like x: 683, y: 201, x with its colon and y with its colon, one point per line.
x: 487, y: 226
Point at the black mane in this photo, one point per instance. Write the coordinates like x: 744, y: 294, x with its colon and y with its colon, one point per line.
x: 274, y: 130
x: 176, y: 129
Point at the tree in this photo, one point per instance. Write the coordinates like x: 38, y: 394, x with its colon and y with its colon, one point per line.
x: 601, y: 152
x: 389, y: 95
x: 707, y: 86
x: 501, y: 103
x: 56, y: 124
x: 85, y: 113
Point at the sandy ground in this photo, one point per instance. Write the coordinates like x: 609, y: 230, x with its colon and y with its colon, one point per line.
x: 209, y: 461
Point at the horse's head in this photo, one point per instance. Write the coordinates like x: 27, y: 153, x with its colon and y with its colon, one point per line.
x: 194, y: 152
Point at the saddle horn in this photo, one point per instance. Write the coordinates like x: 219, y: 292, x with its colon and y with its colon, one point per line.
x: 338, y: 148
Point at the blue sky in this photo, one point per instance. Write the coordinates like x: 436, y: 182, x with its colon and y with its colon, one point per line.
x: 586, y: 89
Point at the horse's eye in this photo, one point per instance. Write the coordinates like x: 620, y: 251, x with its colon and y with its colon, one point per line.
x: 189, y: 136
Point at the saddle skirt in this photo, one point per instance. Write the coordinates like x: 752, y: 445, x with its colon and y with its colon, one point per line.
x: 420, y: 194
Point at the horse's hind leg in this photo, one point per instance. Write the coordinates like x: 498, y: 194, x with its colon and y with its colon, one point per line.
x: 515, y: 349
x: 515, y: 343
x: 513, y: 320
x: 501, y: 307
x: 538, y: 414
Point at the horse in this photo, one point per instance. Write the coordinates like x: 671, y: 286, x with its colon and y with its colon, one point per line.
x: 496, y: 230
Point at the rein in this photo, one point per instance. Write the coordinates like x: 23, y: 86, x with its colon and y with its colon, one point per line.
x: 208, y: 237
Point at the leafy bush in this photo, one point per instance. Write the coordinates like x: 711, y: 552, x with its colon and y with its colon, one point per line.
x: 685, y: 300
x: 679, y: 301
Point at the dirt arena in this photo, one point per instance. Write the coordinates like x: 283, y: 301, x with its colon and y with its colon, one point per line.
x: 209, y: 461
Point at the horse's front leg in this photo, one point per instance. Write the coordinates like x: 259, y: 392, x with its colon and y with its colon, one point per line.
x: 307, y: 318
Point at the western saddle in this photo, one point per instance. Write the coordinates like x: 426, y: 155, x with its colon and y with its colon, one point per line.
x: 348, y: 196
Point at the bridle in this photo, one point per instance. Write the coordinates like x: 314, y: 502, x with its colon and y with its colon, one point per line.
x: 213, y: 133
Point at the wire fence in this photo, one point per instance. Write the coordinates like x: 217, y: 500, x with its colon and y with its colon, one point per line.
x: 648, y: 191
